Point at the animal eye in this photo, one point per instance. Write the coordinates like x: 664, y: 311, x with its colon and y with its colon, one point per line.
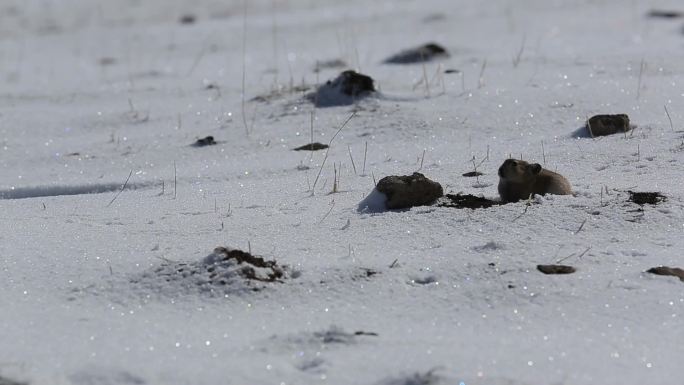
x: 514, y: 163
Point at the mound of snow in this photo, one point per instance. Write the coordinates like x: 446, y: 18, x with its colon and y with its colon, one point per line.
x: 375, y: 202
x: 225, y: 271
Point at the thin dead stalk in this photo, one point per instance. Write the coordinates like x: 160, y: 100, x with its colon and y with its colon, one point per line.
x: 122, y: 189
x: 313, y: 188
x: 641, y: 71
x: 352, y: 160
x: 581, y: 226
x: 669, y: 118
x: 480, y: 82
x: 244, y: 65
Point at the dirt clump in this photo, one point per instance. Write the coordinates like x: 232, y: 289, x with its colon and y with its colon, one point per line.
x: 315, y: 146
x: 602, y: 125
x: 206, y: 141
x: 642, y: 198
x: 409, y: 190
x: 664, y: 270
x: 556, y: 269
x: 345, y: 89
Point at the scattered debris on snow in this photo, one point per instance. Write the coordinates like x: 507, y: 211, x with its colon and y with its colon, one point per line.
x: 427, y: 378
x: 466, y: 201
x: 334, y: 335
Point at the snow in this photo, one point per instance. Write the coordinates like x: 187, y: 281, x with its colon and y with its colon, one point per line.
x: 375, y: 202
x: 92, y: 91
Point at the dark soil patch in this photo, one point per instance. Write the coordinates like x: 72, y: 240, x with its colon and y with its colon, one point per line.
x: 106, y: 61
x: 187, y: 19
x: 367, y: 273
x: 467, y: 201
x: 556, y: 269
x: 642, y: 198
x: 352, y: 83
x: 664, y: 270
x: 419, y: 54
x: 601, y: 125
x: 427, y: 378
x: 345, y: 89
x: 663, y: 14
x: 409, y: 190
x: 362, y: 333
x: 472, y: 174
x: 250, y: 262
x: 206, y: 141
x: 335, y: 335
x: 311, y: 147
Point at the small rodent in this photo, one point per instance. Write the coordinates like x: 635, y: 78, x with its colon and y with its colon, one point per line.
x: 519, y: 179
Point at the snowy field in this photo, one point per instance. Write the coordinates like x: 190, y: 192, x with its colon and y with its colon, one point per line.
x: 99, y: 286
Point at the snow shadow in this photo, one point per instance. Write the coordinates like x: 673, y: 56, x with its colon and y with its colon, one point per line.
x: 97, y: 375
x: 581, y: 132
x: 51, y: 191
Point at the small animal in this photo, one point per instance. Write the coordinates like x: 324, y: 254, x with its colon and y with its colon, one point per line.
x: 519, y: 179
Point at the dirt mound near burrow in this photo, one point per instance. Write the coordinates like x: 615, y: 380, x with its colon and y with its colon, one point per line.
x: 466, y: 201
x: 602, y: 125
x: 344, y: 90
x: 642, y: 198
x: 404, y: 191
x: 225, y: 271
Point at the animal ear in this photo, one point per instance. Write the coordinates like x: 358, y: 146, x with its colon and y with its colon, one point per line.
x: 535, y: 168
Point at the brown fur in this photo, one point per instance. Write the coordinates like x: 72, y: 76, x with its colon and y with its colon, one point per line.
x: 519, y: 179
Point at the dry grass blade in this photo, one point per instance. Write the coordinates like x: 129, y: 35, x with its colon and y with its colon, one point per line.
x: 669, y: 118
x: 122, y: 189
x: 313, y: 188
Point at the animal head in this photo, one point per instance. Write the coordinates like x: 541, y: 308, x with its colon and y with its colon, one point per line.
x: 519, y: 171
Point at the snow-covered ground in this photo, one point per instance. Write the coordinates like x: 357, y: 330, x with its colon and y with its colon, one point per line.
x: 93, y: 285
